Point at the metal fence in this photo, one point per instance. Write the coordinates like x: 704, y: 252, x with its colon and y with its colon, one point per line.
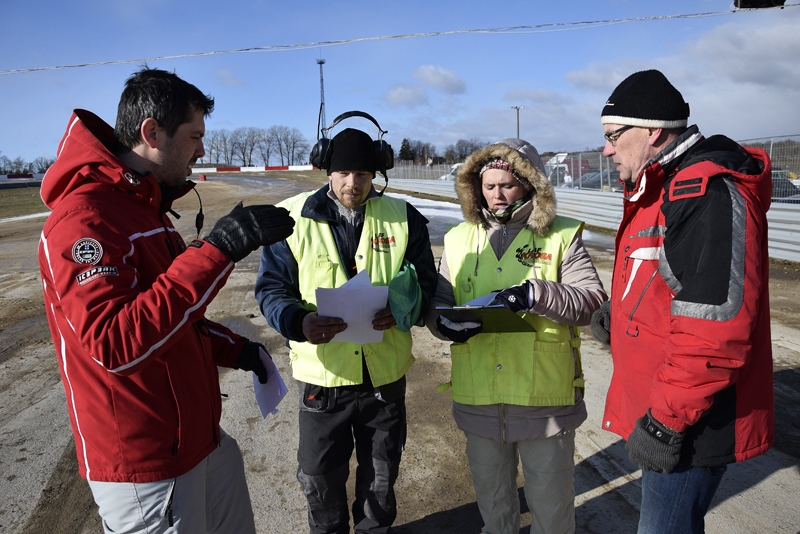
x: 406, y: 170
x: 592, y: 171
x: 604, y: 210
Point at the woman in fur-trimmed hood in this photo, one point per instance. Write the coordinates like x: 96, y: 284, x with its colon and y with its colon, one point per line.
x: 517, y: 394
x: 525, y: 160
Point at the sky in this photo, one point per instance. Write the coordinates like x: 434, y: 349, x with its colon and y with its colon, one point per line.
x: 739, y: 71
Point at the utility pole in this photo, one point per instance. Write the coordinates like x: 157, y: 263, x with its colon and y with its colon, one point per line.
x: 517, y: 108
x: 321, y: 62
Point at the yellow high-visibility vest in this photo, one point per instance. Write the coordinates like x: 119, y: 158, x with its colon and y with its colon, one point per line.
x: 380, y: 251
x: 539, y: 368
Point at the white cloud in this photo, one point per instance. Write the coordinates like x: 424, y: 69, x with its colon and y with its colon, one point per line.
x: 740, y: 79
x: 227, y: 77
x: 538, y: 96
x: 406, y: 95
x: 765, y: 56
x: 440, y: 78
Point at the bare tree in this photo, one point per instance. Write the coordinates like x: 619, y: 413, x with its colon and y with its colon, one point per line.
x: 224, y: 148
x: 465, y: 147
x: 450, y: 154
x: 265, y: 144
x: 243, y: 144
x: 210, y: 146
x: 280, y: 134
x: 5, y: 164
x: 19, y: 166
x: 298, y: 147
x: 41, y: 164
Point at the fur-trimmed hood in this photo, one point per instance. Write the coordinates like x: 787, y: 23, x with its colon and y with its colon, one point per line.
x: 525, y: 159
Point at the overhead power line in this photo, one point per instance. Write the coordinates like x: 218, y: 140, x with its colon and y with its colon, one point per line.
x: 526, y: 29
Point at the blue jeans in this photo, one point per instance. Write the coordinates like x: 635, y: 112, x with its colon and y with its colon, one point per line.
x: 678, y: 502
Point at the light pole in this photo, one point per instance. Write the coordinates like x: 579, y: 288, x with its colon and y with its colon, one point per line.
x: 517, y: 108
x: 321, y: 62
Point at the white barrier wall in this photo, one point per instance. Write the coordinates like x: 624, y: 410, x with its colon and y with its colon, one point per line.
x: 604, y: 210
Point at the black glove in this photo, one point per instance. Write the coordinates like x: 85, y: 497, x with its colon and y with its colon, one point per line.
x: 249, y: 360
x: 516, y: 298
x: 653, y: 446
x: 458, y: 332
x: 601, y: 324
x: 243, y: 230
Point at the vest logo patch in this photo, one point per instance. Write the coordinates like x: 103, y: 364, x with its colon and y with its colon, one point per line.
x: 381, y: 243
x: 87, y: 250
x: 528, y: 255
x: 94, y: 273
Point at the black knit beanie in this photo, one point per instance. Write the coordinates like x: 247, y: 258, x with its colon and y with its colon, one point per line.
x: 646, y: 99
x: 352, y: 150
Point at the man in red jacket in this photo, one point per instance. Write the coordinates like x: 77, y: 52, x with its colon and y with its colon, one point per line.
x: 689, y: 311
x: 125, y: 300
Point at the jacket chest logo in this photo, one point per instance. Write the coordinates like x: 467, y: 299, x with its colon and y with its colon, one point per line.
x: 382, y: 243
x: 528, y: 255
x: 87, y: 250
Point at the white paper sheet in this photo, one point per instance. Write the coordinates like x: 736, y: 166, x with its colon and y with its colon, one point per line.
x: 356, y: 303
x: 269, y: 395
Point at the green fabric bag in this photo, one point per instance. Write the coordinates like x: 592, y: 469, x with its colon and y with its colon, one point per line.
x: 405, y: 298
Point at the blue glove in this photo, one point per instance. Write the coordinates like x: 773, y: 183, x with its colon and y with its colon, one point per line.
x: 516, y: 298
x: 654, y: 446
x: 249, y: 360
x: 458, y: 332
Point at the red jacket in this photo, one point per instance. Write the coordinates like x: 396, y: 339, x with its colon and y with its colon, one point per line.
x: 125, y: 300
x: 690, y: 330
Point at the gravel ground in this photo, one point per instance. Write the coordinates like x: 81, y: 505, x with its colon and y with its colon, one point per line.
x: 41, y: 491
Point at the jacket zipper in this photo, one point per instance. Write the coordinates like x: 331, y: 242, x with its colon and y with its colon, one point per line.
x: 168, y: 511
x: 636, y: 307
x: 202, y: 329
x: 503, y: 423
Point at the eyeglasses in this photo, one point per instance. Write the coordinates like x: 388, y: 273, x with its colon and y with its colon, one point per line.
x: 612, y: 137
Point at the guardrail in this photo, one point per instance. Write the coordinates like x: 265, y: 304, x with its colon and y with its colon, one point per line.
x: 604, y: 210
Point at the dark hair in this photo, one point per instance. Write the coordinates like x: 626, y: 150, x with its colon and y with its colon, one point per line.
x: 161, y: 95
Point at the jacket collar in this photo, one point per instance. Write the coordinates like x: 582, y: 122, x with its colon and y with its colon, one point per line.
x: 322, y: 205
x: 663, y: 164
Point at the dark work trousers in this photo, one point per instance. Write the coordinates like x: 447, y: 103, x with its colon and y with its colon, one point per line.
x: 330, y: 420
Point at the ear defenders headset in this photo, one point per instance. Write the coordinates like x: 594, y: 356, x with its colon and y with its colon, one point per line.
x: 321, y: 153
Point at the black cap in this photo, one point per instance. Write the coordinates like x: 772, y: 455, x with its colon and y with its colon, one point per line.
x: 352, y: 150
x: 646, y: 99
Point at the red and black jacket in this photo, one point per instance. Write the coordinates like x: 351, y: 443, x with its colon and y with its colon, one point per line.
x: 690, y: 330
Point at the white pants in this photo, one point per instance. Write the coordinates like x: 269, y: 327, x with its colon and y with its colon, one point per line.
x: 212, y: 498
x: 548, y: 465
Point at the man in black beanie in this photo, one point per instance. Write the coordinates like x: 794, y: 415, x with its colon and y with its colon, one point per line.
x: 348, y: 390
x: 689, y: 312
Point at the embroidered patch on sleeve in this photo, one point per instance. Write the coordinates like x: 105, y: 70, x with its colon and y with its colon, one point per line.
x: 197, y: 243
x: 688, y: 188
x: 94, y: 273
x: 87, y: 250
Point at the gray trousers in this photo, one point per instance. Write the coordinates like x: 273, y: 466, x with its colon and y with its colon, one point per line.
x: 212, y: 498
x: 548, y: 465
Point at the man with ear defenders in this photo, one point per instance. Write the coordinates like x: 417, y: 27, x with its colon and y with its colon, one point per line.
x: 349, y: 390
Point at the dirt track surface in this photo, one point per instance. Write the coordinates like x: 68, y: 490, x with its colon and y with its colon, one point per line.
x: 40, y: 490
